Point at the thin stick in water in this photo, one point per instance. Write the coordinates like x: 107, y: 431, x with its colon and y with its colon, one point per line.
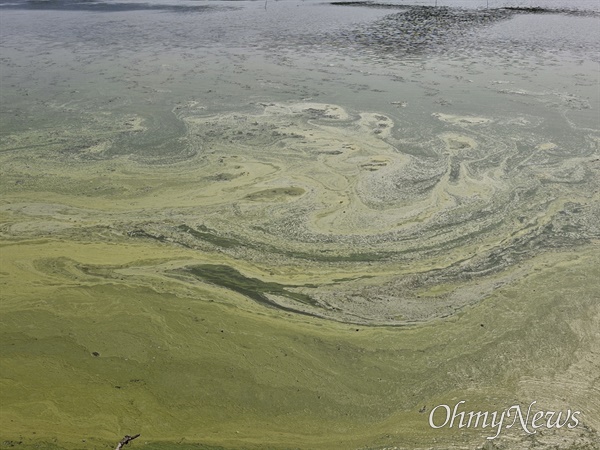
x: 126, y: 440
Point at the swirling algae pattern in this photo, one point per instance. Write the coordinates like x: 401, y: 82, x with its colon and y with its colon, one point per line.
x: 285, y: 267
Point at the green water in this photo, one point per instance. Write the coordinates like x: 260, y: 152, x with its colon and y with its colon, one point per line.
x: 299, y: 227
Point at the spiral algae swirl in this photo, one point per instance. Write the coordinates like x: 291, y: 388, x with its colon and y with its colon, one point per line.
x: 336, y: 192
x: 318, y: 210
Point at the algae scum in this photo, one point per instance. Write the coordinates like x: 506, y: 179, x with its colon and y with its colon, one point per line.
x: 299, y: 227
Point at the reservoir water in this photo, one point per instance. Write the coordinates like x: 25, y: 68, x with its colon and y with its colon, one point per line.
x: 297, y: 224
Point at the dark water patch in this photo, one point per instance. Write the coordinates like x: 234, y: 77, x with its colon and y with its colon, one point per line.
x: 454, y: 172
x: 98, y: 6
x: 206, y: 234
x: 368, y: 4
x: 418, y: 30
x: 539, y: 10
x: 270, y: 194
x: 426, y: 30
x: 213, y: 237
x: 254, y: 288
x: 145, y: 234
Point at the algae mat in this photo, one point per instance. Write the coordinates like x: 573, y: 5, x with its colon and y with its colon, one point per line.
x: 300, y: 227
x: 297, y: 275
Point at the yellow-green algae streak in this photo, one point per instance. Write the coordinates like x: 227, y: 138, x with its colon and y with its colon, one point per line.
x: 294, y: 279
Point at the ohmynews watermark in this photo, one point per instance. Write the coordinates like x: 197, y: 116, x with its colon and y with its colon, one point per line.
x: 444, y: 416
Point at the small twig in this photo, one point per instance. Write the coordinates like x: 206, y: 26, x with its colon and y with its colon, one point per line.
x: 126, y: 440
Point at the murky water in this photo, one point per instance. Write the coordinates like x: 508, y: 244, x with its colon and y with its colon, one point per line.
x: 373, y: 165
x: 72, y: 72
